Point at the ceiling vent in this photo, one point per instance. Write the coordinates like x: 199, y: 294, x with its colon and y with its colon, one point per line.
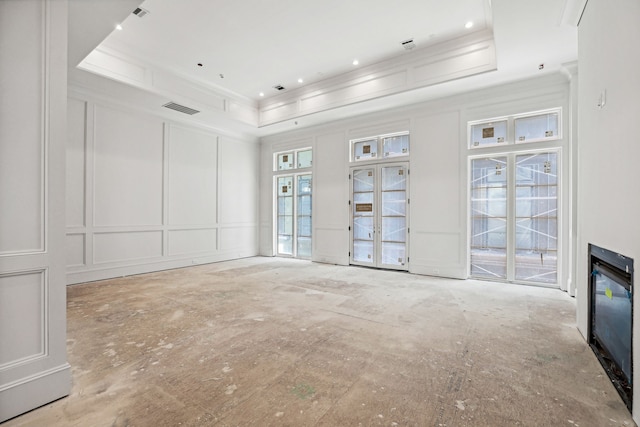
x: 279, y: 87
x: 180, y: 108
x: 139, y: 12
x: 408, y: 44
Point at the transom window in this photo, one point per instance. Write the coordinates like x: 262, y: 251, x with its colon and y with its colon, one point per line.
x: 380, y: 147
x: 517, y: 129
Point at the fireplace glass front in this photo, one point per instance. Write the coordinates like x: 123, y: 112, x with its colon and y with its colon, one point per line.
x: 611, y: 316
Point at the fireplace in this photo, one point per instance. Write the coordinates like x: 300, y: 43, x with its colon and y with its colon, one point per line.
x: 611, y: 316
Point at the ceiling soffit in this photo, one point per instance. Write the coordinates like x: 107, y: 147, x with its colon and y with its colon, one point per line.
x: 465, y: 56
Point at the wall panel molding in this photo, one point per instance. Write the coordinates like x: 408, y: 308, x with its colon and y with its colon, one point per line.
x: 24, y: 302
x: 114, y: 246
x: 169, y: 217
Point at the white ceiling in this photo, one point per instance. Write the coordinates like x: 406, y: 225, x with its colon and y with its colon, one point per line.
x: 256, y: 44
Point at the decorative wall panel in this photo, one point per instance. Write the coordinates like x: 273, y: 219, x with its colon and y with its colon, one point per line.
x: 75, y: 250
x: 22, y: 152
x: 128, y: 162
x: 75, y: 167
x: 182, y: 242
x: 23, y: 315
x: 238, y: 182
x: 192, y: 177
x: 126, y: 246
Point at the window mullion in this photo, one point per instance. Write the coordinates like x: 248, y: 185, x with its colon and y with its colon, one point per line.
x: 511, y: 217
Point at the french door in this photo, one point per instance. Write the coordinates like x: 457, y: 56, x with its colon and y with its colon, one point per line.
x: 294, y: 215
x: 379, y: 215
x: 514, y: 217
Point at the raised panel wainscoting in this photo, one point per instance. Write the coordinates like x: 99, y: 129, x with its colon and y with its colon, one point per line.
x: 147, y: 194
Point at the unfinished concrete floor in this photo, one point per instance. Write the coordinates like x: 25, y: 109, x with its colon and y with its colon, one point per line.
x: 264, y: 341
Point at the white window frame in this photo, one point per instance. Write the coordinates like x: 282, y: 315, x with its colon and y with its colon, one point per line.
x: 511, y: 156
x: 511, y: 137
x: 379, y: 141
x: 294, y: 172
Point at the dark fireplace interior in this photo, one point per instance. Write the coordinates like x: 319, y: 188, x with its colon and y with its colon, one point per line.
x: 611, y: 316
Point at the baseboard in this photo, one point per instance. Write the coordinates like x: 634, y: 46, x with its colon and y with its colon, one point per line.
x: 110, y: 272
x: 32, y: 392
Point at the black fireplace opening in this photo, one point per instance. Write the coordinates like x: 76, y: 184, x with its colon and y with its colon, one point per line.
x: 611, y: 316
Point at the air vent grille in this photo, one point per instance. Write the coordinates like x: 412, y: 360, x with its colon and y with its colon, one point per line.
x: 139, y: 12
x: 408, y: 44
x: 180, y: 108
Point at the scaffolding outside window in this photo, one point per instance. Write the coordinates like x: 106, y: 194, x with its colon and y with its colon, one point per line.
x: 514, y: 217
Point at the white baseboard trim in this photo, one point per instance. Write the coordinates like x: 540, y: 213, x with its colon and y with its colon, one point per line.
x: 34, y: 391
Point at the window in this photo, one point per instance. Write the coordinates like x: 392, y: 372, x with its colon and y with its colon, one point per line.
x: 293, y: 208
x: 289, y: 160
x: 514, y: 217
x: 392, y: 145
x: 365, y: 150
x: 285, y: 215
x: 488, y: 133
x: 537, y: 127
x: 514, y: 205
x: 285, y: 161
x: 517, y: 129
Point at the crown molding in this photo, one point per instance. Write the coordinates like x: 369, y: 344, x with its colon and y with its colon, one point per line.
x: 454, y: 59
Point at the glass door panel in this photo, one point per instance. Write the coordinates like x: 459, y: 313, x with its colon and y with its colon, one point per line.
x: 303, y: 213
x: 285, y: 215
x: 363, y: 216
x: 489, y: 218
x: 393, y: 232
x: 536, y: 222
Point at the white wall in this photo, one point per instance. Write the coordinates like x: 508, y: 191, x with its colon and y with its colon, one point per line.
x: 145, y: 193
x: 608, y: 175
x: 438, y: 162
x: 33, y: 86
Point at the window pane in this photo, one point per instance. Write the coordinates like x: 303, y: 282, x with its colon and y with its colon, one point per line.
x: 365, y: 150
x: 285, y: 205
x: 535, y: 128
x: 304, y: 247
x: 285, y: 245
x: 393, y: 253
x: 489, y: 218
x: 285, y: 215
x: 285, y: 161
x: 536, y: 218
x: 395, y: 146
x: 394, y: 203
x: 304, y: 229
x: 394, y: 229
x: 363, y: 251
x: 488, y: 133
x: 363, y: 180
x: 284, y: 186
x: 363, y: 228
x: 305, y: 159
x: 394, y: 178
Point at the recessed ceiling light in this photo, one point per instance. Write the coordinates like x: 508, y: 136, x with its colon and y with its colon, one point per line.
x: 468, y: 24
x: 261, y: 93
x: 356, y: 62
x: 118, y: 27
x: 300, y: 80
